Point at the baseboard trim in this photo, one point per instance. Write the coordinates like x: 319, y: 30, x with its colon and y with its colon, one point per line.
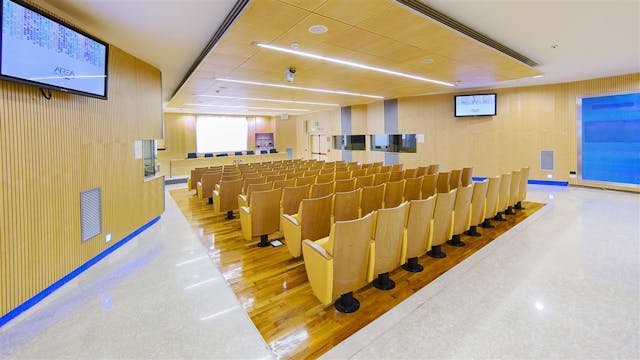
x: 534, y: 182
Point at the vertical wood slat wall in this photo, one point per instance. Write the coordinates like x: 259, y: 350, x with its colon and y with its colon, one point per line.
x: 50, y: 151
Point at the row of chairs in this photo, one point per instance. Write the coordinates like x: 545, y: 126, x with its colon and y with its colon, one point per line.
x: 367, y: 249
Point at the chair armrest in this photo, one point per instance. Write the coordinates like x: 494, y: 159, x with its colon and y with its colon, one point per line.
x: 319, y: 267
x: 291, y: 219
x: 317, y: 249
x: 245, y: 209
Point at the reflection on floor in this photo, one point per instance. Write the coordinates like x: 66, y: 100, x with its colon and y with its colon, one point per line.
x: 274, y: 290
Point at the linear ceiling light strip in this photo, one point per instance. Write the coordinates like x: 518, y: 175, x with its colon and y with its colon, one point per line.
x: 231, y: 17
x: 271, y: 100
x: 350, y: 63
x: 460, y: 27
x: 244, y: 107
x: 326, y: 91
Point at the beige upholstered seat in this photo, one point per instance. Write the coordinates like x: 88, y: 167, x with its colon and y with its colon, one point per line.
x: 412, y: 188
x: 245, y: 198
x: 225, y: 199
x: 338, y: 265
x: 522, y: 189
x: 393, y: 194
x: 312, y: 222
x: 478, y: 206
x: 381, y: 178
x: 387, y: 244
x: 371, y: 199
x: 409, y: 173
x: 418, y: 232
x: 324, y: 178
x: 462, y: 211
x: 433, y: 169
x: 320, y: 190
x: 429, y: 185
x: 306, y: 180
x: 455, y: 179
x: 344, y: 185
x: 396, y: 175
x: 207, y: 184
x: 491, y: 209
x: 442, y: 184
x: 442, y: 223
x: 362, y: 181
x: 261, y: 217
x: 346, y: 205
x: 340, y: 175
x: 513, y: 192
x: 503, y: 197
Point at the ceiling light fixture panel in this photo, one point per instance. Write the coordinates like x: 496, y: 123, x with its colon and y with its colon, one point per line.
x: 326, y: 91
x: 246, y: 107
x: 271, y: 100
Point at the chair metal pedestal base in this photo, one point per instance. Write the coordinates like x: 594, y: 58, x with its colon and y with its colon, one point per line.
x: 412, y: 265
x: 264, y: 241
x: 347, y: 303
x: 509, y: 211
x: 436, y: 252
x: 499, y: 217
x: 473, y: 231
x: 383, y: 282
x: 455, y: 241
x: 210, y: 201
x: 487, y: 224
x: 230, y: 215
x: 519, y: 206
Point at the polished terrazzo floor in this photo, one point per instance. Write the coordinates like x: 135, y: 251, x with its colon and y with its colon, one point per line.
x: 564, y: 283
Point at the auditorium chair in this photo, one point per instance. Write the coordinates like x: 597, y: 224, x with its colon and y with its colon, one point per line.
x: 396, y: 175
x: 344, y: 185
x: 338, y: 265
x: 324, y: 178
x: 387, y: 244
x: 320, y: 190
x: 493, y: 189
x: 433, y: 169
x: 362, y: 181
x: 421, y: 170
x: 503, y: 197
x: 478, y: 206
x: 346, y: 205
x: 418, y: 232
x: 341, y: 175
x: 312, y: 222
x: 207, y: 184
x: 467, y: 176
x: 328, y: 170
x: 455, y: 179
x: 294, y: 175
x: 513, y: 192
x: 225, y: 197
x: 381, y: 178
x: 371, y: 198
x: 194, y: 178
x: 305, y: 180
x: 373, y: 170
x: 409, y: 173
x: 367, y: 165
x: 429, y: 185
x: 393, y: 194
x: 385, y: 169
x: 279, y: 184
x: 462, y: 212
x: 291, y: 198
x: 244, y: 199
x: 358, y: 172
x: 314, y: 173
x: 522, y: 189
x: 272, y: 178
x: 442, y: 223
x: 261, y: 218
x: 396, y: 167
x: 412, y: 188
x: 442, y: 184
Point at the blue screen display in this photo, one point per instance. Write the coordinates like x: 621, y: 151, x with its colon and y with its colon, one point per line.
x: 611, y: 138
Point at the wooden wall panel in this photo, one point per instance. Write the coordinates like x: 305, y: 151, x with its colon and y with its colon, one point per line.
x: 50, y: 151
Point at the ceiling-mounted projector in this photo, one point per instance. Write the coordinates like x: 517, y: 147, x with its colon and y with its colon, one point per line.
x: 290, y: 73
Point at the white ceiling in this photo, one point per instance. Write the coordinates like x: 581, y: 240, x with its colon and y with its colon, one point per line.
x: 570, y: 39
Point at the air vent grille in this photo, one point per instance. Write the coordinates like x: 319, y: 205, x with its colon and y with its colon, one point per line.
x: 91, y: 213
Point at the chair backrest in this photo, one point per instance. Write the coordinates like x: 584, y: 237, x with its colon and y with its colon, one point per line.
x: 524, y: 180
x: 396, y: 167
x: 362, y: 181
x: 433, y: 169
x: 467, y: 176
x: 209, y: 181
x: 306, y: 180
x: 315, y: 217
x: 462, y: 209
x: 442, y: 184
x: 324, y: 178
x: 393, y: 193
x: 478, y: 201
x: 349, y: 245
x: 311, y: 173
x: 371, y: 198
x: 231, y: 176
x: 327, y: 170
x: 388, y: 237
x: 346, y: 205
x: 412, y: 188
x: 265, y: 211
x: 229, y: 191
x: 419, y: 226
x: 367, y: 165
x: 385, y: 168
x: 373, y: 170
x: 271, y: 178
x: 422, y: 170
x: 340, y: 175
x: 396, y: 175
x: 455, y: 179
x: 279, y: 184
x: 322, y: 189
x: 381, y: 178
x: 493, y: 189
x: 429, y: 185
x: 503, y: 194
x: 344, y: 185
x: 252, y: 180
x: 196, y: 177
x: 358, y: 172
x: 294, y: 175
x: 258, y: 187
x: 409, y: 173
x: 291, y: 198
x: 442, y: 217
x: 514, y: 187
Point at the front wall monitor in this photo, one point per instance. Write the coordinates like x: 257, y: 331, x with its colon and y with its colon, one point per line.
x: 37, y: 49
x: 475, y: 105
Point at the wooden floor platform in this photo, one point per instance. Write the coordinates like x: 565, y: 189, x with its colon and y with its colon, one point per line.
x: 274, y: 290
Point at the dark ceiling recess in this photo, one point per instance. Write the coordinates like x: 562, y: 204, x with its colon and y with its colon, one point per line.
x: 231, y: 17
x: 460, y: 27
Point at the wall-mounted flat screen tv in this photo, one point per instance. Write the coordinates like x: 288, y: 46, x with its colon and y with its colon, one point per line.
x: 475, y: 105
x: 39, y: 50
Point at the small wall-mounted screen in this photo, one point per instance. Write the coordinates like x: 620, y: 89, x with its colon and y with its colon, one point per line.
x: 349, y: 142
x: 398, y: 143
x: 475, y: 105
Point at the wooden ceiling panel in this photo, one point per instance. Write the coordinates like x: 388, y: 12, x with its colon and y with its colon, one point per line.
x: 354, y: 11
x: 305, y: 4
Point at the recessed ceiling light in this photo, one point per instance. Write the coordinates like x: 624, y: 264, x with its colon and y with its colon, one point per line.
x: 349, y: 63
x: 538, y: 76
x: 318, y: 29
x: 245, y: 107
x: 327, y: 91
x: 272, y: 100
x: 427, y: 61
